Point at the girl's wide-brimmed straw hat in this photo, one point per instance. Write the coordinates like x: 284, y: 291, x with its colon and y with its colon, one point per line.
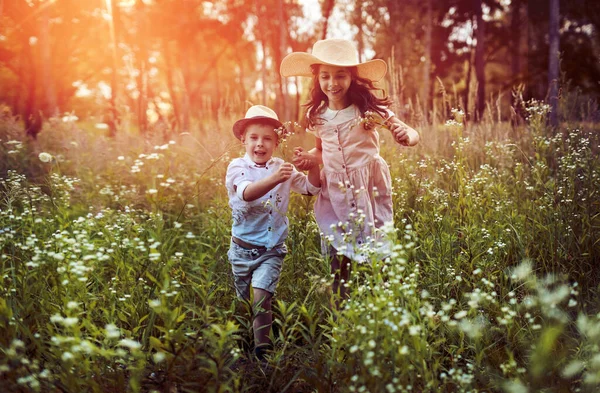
x: 335, y: 52
x: 256, y: 114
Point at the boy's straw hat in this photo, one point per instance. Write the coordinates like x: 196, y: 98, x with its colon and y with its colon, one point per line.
x: 256, y: 114
x: 335, y: 52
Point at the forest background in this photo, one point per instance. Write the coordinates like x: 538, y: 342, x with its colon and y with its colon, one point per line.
x: 115, y: 135
x: 167, y: 64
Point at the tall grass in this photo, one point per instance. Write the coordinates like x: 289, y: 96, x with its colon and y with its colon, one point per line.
x: 115, y: 277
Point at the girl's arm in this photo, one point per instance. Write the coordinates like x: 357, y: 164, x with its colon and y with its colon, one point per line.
x: 403, y: 133
x: 314, y: 176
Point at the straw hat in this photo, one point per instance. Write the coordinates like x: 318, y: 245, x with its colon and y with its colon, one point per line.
x: 256, y: 114
x: 335, y: 52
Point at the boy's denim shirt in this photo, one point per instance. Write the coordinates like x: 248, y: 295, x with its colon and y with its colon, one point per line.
x: 262, y: 222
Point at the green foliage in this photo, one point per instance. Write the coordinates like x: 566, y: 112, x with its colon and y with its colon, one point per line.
x: 114, y: 270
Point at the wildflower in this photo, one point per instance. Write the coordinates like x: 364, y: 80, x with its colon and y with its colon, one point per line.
x: 45, y: 157
x: 522, y: 272
x: 112, y: 331
x: 71, y: 305
x: 158, y: 357
x: 66, y: 356
x: 131, y: 344
x: 154, y: 303
x: 284, y: 131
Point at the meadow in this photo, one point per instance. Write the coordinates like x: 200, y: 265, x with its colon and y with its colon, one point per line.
x: 114, y: 273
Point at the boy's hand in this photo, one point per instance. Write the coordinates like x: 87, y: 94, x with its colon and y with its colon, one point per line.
x: 302, y: 160
x: 284, y: 172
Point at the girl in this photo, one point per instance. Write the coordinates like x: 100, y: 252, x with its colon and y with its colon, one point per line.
x: 356, y: 187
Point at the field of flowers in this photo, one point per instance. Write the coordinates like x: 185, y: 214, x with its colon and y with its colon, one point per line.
x: 114, y: 274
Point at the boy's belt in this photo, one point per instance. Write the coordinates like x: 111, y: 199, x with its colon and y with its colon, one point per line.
x: 247, y: 246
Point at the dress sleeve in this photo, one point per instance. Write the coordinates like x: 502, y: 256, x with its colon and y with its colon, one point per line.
x: 236, y: 179
x: 301, y: 185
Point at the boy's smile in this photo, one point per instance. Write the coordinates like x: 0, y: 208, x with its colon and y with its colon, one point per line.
x: 260, y: 141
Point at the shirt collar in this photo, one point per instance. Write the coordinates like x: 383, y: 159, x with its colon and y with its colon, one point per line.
x: 252, y: 164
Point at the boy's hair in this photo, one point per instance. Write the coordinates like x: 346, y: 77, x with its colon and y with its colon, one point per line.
x: 265, y: 122
x: 360, y: 94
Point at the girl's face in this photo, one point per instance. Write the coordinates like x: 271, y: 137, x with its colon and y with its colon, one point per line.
x: 260, y: 141
x: 335, y: 82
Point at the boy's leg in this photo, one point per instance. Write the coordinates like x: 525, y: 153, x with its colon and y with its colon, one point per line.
x: 263, y: 318
x: 340, y: 268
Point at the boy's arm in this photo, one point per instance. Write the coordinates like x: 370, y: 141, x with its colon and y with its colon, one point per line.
x: 260, y: 187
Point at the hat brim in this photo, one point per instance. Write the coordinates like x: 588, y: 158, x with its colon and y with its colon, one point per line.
x: 240, y: 125
x: 298, y: 64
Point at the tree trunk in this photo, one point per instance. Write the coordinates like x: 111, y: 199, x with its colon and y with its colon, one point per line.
x: 358, y: 22
x: 553, y: 61
x: 185, y: 89
x: 470, y: 62
x: 114, y: 85
x: 426, y: 83
x: 281, y: 91
x: 31, y: 108
x: 515, y: 54
x: 327, y: 10
x: 480, y: 62
x: 46, y: 64
x: 142, y: 78
x: 171, y: 84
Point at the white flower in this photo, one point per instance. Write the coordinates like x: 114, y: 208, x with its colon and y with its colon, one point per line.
x: 71, y: 305
x: 112, y: 331
x: 67, y: 356
x: 154, y: 303
x: 159, y: 357
x: 131, y: 344
x: 45, y: 157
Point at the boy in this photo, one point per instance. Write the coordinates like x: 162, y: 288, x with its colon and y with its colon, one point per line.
x: 259, y: 187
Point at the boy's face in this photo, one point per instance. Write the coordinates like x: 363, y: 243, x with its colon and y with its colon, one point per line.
x: 260, y: 141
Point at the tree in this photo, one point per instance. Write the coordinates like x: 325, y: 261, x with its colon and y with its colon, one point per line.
x: 553, y: 58
x: 479, y: 60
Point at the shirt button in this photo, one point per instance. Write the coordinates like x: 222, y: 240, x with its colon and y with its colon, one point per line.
x: 353, y: 204
x: 340, y: 148
x: 344, y: 166
x: 270, y: 196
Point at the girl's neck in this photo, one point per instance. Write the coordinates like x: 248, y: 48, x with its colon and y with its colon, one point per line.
x: 338, y: 106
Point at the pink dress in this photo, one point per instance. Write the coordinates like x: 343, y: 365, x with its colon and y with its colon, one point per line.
x: 356, y: 188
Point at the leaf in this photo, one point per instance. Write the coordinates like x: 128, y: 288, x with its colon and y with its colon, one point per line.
x: 155, y: 343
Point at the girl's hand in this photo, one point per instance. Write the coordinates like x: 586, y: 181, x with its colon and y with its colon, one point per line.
x: 304, y: 161
x: 400, y: 133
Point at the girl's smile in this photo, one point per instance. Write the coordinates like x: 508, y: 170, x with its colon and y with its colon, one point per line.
x: 335, y: 82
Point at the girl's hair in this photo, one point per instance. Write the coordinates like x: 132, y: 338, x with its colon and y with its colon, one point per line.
x: 360, y: 93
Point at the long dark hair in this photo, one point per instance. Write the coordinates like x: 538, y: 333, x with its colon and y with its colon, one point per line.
x: 360, y: 93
